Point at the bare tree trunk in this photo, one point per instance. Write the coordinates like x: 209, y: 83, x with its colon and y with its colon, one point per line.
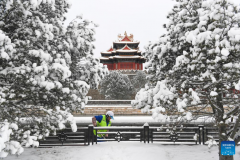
x: 222, y: 128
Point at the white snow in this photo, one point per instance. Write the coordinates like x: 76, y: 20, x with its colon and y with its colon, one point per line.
x: 181, y: 104
x: 225, y: 52
x: 6, y: 144
x: 237, y: 86
x: 195, y: 96
x: 126, y: 57
x: 123, y: 151
x: 233, y: 32
x: 144, y: 119
x: 181, y: 60
x: 118, y: 119
x: 65, y: 90
x: 110, y: 100
x: 211, y: 142
x: 213, y: 93
x: 189, y: 116
x: 228, y: 65
x: 4, y: 55
x: 110, y: 105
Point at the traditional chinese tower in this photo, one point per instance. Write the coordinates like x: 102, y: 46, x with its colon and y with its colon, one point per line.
x: 124, y: 55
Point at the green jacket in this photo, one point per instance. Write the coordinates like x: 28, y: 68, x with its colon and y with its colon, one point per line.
x: 103, y: 123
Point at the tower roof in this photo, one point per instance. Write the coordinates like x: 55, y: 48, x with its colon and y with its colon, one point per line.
x: 110, y: 50
x: 126, y: 48
x: 122, y: 57
x: 126, y: 39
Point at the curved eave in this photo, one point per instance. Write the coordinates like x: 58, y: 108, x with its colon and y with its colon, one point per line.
x: 106, y: 52
x: 103, y: 58
x: 124, y: 57
x: 125, y: 42
x: 126, y: 51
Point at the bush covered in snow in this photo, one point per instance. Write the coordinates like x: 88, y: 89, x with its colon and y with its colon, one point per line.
x: 46, y: 70
x: 116, y: 86
x: 139, y: 80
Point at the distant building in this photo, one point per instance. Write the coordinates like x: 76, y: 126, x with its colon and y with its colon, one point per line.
x: 124, y: 55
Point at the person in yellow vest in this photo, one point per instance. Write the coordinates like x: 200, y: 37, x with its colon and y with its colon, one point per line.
x: 102, y: 121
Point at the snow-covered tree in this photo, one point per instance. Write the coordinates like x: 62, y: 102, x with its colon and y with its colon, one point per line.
x: 83, y: 65
x: 39, y: 85
x: 116, y: 86
x: 195, y: 66
x: 139, y: 80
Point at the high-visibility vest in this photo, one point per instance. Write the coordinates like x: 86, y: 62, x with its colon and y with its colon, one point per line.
x: 103, y: 123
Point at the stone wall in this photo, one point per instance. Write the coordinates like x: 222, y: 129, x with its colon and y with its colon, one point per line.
x: 109, y: 102
x: 94, y: 93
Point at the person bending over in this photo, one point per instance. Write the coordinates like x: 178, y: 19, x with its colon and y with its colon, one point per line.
x: 102, y: 121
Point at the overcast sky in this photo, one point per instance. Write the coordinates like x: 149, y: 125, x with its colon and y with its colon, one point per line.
x: 142, y: 18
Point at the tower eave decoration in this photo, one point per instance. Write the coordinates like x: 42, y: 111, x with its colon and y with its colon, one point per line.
x: 125, y: 37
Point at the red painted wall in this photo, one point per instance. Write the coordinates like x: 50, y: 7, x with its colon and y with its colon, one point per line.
x: 125, y: 66
x: 109, y: 66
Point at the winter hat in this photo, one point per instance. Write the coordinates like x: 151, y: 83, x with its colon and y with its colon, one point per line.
x: 110, y: 114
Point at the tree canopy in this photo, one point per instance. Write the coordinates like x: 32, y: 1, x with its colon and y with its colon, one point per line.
x: 195, y: 66
x: 46, y: 70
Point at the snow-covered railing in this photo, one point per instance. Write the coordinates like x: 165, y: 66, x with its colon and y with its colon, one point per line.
x: 67, y: 138
x: 121, y: 134
x: 84, y: 136
x: 193, y: 135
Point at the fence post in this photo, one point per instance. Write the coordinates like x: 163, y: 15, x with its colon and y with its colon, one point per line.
x: 85, y: 138
x: 96, y: 136
x: 141, y: 134
x: 195, y: 134
x: 146, y: 132
x: 201, y: 134
x: 90, y: 133
x: 152, y: 135
x: 206, y: 133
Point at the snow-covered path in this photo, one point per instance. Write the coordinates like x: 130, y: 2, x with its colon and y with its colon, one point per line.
x: 123, y: 151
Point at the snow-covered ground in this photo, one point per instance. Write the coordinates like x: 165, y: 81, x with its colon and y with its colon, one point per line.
x: 123, y: 151
x: 118, y: 119
x: 143, y: 119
